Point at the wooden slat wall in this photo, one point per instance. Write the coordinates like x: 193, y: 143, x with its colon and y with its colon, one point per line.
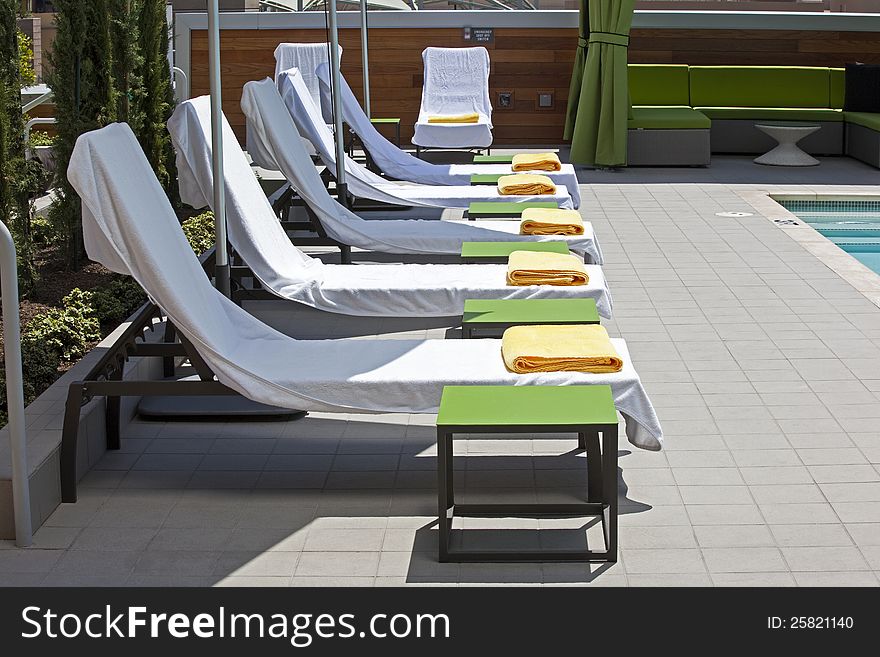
x: 524, y: 61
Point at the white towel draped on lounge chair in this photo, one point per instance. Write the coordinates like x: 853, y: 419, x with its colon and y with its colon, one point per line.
x: 378, y: 290
x: 273, y: 126
x: 363, y: 183
x: 306, y: 56
x: 456, y: 82
x: 400, y: 165
x: 130, y: 227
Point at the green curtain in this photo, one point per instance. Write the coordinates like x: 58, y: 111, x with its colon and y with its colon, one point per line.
x: 601, y: 105
x: 577, y: 72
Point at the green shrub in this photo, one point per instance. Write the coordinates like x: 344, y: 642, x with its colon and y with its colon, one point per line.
x: 199, y: 231
x: 117, y: 300
x: 25, y: 59
x: 67, y: 330
x: 41, y: 138
x: 43, y: 232
x: 39, y: 366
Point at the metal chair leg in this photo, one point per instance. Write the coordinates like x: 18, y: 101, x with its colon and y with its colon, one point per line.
x: 69, y: 438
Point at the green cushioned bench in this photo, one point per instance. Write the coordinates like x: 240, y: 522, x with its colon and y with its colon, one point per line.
x: 663, y: 128
x: 490, y: 317
x: 673, y: 102
x: 738, y: 97
x: 586, y: 411
x: 497, y: 252
x: 504, y: 209
x: 668, y: 118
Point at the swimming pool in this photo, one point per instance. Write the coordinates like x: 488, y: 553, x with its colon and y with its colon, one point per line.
x: 853, y: 225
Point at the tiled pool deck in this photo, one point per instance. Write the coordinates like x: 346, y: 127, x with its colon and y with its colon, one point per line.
x: 763, y: 365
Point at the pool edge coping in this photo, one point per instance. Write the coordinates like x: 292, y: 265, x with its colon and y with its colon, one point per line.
x: 859, y: 276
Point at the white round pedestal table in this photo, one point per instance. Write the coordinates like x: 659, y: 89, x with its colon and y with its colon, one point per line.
x: 787, y: 153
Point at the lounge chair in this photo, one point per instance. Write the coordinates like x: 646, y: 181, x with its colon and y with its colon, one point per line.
x: 306, y: 56
x: 456, y: 82
x: 397, y: 164
x: 363, y: 183
x: 272, y: 126
x: 130, y: 227
x: 411, y: 290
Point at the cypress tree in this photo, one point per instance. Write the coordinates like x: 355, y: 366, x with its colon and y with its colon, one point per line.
x: 127, y: 61
x: 85, y: 99
x: 19, y: 178
x: 157, y: 102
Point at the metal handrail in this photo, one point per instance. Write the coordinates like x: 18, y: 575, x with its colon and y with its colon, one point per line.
x: 21, y: 497
x: 179, y: 72
x: 39, y: 100
x: 37, y: 121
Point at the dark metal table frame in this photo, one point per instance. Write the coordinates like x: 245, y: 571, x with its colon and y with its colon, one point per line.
x: 600, y: 441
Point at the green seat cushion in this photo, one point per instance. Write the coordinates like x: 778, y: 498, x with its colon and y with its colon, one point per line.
x: 388, y: 120
x: 838, y: 87
x: 504, y: 249
x: 773, y: 113
x: 530, y: 311
x: 485, y: 178
x: 658, y: 84
x: 865, y: 119
x: 493, y: 159
x: 759, y: 86
x: 505, y: 208
x: 668, y: 118
x: 543, y: 406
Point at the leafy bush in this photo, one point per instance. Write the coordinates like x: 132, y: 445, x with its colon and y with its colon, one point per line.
x: 67, y: 330
x: 39, y: 365
x: 117, y: 300
x: 25, y: 59
x: 43, y: 232
x: 64, y: 334
x: 199, y: 231
x: 41, y: 138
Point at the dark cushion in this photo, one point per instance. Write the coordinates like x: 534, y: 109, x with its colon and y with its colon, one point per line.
x: 862, y: 88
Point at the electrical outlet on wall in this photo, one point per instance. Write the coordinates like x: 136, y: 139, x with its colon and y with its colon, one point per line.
x: 545, y: 99
x: 505, y: 100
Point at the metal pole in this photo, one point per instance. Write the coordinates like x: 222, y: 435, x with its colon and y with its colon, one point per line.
x: 221, y: 269
x: 365, y: 56
x: 337, y: 105
x: 21, y: 497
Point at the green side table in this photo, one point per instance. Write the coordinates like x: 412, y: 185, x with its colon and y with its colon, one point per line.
x: 486, y: 178
x: 493, y: 159
x: 498, y: 252
x: 587, y: 411
x: 504, y: 209
x: 390, y: 121
x: 490, y: 317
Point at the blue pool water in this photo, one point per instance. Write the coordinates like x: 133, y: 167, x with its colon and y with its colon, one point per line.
x: 854, y: 226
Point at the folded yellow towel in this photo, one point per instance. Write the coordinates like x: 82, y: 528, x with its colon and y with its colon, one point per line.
x: 525, y: 184
x: 536, y: 162
x: 542, y: 268
x: 551, y: 221
x: 579, y: 348
x: 472, y: 117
